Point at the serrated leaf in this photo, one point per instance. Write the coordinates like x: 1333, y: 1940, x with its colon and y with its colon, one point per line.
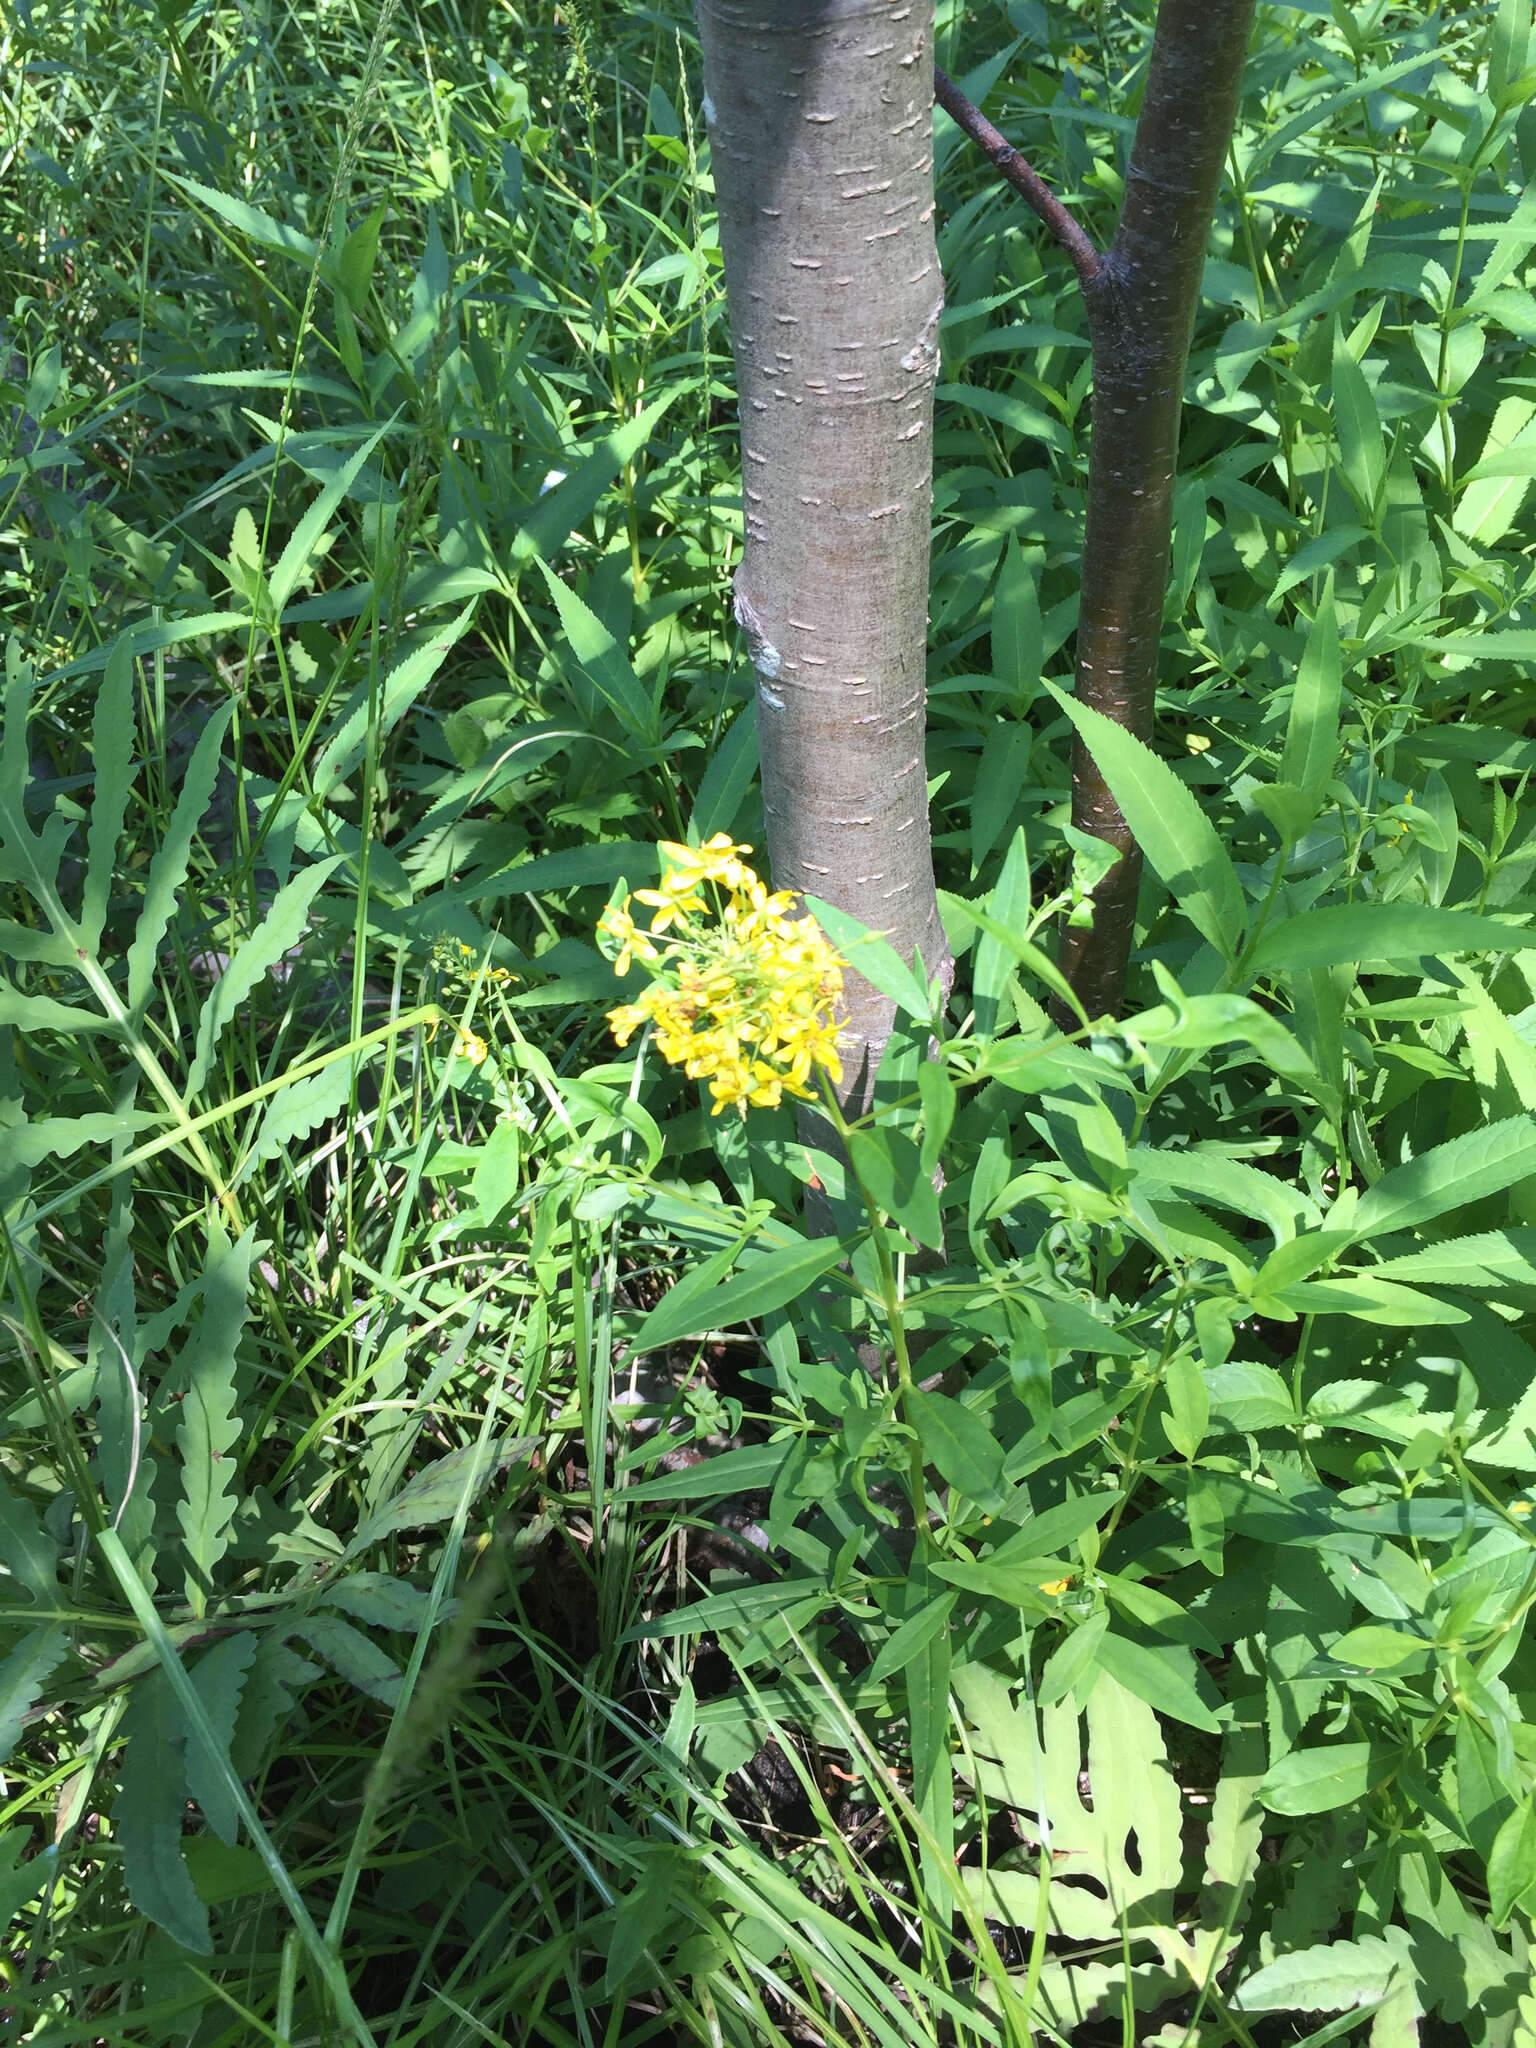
x: 306, y: 536
x: 1333, y: 1977
x: 23, y: 1675
x: 28, y: 1554
x: 1466, y: 1169
x: 1357, y: 933
x: 146, y: 1816
x: 210, y: 1422
x: 344, y: 744
x: 435, y: 1495
x: 249, y: 220
x: 60, y: 1137
x: 168, y: 869
x: 959, y: 1444
x: 272, y: 1685
x: 112, y: 767
x: 352, y: 1655
x: 297, y: 1110
x: 280, y: 932
x: 760, y: 1284
x: 1178, y: 839
x: 603, y: 660
x: 558, y: 512
x: 1489, y: 1259
x: 381, y: 1601
x: 218, y: 1678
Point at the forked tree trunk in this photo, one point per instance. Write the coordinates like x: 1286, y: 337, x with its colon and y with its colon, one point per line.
x: 1141, y: 295
x: 1141, y: 312
x: 819, y: 115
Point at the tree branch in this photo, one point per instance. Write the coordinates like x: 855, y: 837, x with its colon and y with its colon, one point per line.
x: 1025, y: 180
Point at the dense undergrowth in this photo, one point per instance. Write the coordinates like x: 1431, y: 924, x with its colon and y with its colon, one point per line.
x: 464, y: 1582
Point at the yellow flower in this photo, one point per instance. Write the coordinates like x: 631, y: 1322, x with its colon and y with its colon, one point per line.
x: 469, y: 1045
x: 1054, y: 1586
x: 745, y: 998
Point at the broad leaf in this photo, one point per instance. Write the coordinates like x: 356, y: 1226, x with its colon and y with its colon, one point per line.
x: 761, y: 1283
x: 1178, y: 839
x: 1466, y: 1169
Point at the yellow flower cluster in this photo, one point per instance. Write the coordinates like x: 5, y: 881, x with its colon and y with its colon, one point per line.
x: 744, y: 995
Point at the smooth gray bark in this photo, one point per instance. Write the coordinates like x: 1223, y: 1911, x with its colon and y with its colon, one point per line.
x: 819, y: 115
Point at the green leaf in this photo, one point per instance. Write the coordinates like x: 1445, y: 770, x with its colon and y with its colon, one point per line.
x: 168, y: 869
x: 1017, y: 635
x: 960, y: 1445
x: 1376, y: 1647
x: 1357, y: 426
x: 219, y: 1678
x: 752, y: 1469
x: 1449, y: 1176
x: 435, y: 1495
x: 1189, y: 1404
x: 297, y: 1110
x: 23, y: 1675
x: 146, y: 1817
x: 732, y: 768
x: 745, y: 1607
x: 1077, y: 1656
x: 1158, y: 1679
x: 355, y: 259
x: 250, y: 221
x: 761, y: 1283
x: 280, y: 932
x: 112, y: 767
x: 1008, y: 908
x: 1512, y: 1865
x: 1318, y: 1780
x: 21, y: 1881
x: 559, y: 511
x: 30, y: 1555
x: 307, y: 535
x: 210, y: 1421
x: 1335, y: 1976
x: 913, y: 1636
x: 603, y: 661
x: 873, y: 956
x: 1358, y: 933
x: 381, y: 1601
x: 1312, y: 733
x: 344, y: 744
x: 891, y: 1169
x: 1178, y: 839
x: 352, y: 1655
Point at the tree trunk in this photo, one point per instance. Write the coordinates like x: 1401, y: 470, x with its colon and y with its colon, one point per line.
x: 1141, y: 298
x: 820, y: 122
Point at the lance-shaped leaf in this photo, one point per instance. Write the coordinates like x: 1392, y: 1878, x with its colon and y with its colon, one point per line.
x: 1178, y: 839
x: 210, y: 1422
